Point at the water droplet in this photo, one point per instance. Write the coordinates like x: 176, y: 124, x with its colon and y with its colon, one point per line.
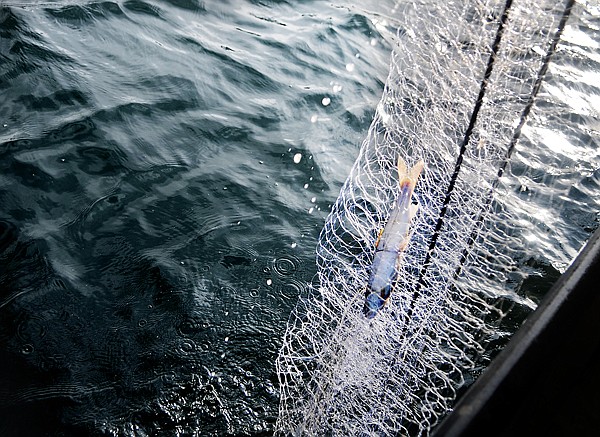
x: 269, y: 281
x: 357, y: 56
x: 337, y: 88
x: 226, y: 339
x: 313, y: 199
x: 305, y: 186
x: 326, y: 101
x: 294, y: 245
x: 314, y: 119
x: 350, y: 67
x: 311, y: 210
x: 373, y: 42
x: 182, y: 263
x: 297, y: 158
x: 27, y: 349
x: 142, y: 323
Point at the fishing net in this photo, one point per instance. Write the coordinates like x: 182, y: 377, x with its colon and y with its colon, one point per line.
x: 462, y: 81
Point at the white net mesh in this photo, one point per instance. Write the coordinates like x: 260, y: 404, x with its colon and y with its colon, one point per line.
x: 461, y: 83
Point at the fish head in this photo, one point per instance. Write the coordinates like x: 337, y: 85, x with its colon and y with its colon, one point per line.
x: 375, y: 301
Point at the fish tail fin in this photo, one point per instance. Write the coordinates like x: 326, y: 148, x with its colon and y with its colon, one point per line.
x: 402, y: 169
x: 408, y: 176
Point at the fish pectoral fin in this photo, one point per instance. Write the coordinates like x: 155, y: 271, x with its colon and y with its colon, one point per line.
x: 379, y: 234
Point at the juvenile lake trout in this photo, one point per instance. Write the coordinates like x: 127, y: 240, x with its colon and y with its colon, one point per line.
x: 392, y: 241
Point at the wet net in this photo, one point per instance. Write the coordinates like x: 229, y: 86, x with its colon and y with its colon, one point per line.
x: 462, y: 81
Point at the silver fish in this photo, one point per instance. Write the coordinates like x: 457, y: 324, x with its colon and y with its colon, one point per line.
x: 392, y: 241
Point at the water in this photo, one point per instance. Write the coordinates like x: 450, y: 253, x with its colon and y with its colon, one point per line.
x: 166, y: 169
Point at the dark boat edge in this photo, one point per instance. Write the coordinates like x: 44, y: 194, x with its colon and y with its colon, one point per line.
x: 547, y: 379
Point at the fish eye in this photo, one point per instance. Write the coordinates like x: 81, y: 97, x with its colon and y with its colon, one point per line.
x: 385, y: 292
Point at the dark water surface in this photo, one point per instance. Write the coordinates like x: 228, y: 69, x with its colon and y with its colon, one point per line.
x: 156, y: 226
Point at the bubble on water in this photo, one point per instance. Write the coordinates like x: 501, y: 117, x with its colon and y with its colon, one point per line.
x: 26, y: 349
x: 269, y: 281
x: 187, y: 346
x: 326, y: 101
x: 297, y: 158
x: 373, y: 42
x: 350, y: 67
x: 337, y: 88
x: 292, y: 288
x: 313, y: 199
x: 305, y: 186
x: 311, y: 210
x: 314, y: 119
x: 189, y: 326
x: 286, y: 265
x: 294, y: 245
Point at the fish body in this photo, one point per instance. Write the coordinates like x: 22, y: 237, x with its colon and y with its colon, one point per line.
x: 392, y: 241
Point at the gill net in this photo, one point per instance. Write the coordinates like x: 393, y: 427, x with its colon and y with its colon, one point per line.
x: 462, y: 80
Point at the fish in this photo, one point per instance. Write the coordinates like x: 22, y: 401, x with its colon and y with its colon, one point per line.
x: 392, y: 241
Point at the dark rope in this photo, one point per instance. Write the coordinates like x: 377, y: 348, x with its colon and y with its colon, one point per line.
x: 517, y: 133
x: 463, y: 148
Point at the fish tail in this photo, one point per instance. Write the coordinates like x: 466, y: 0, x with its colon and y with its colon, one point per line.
x: 408, y: 176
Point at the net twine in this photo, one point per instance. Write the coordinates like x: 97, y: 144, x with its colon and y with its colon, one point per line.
x: 462, y: 80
